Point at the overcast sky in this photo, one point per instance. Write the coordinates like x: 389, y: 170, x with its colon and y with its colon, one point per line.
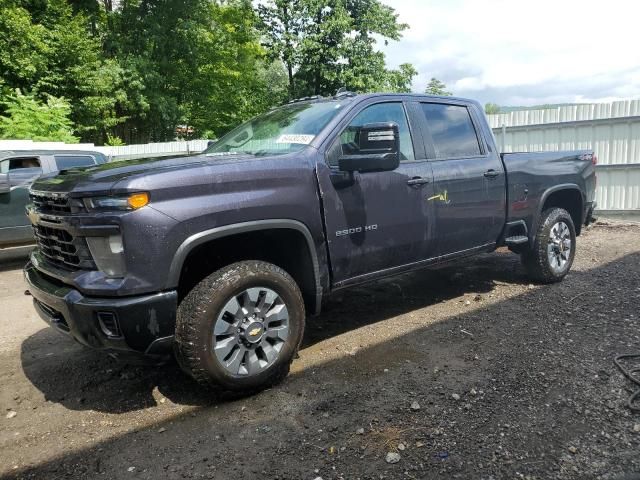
x: 515, y: 52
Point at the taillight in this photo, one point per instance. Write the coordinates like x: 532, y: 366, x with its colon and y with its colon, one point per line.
x: 585, y: 157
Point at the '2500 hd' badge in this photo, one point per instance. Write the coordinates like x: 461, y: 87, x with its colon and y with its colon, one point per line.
x: 351, y: 231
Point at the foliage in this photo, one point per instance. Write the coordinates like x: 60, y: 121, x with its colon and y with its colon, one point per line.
x: 136, y: 69
x: 198, y: 63
x: 325, y: 45
x: 399, y: 80
x: 491, y: 108
x: 436, y: 87
x: 45, y: 48
x: 28, y: 118
x: 114, y: 141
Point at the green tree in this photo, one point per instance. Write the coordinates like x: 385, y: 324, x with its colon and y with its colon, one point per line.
x: 282, y: 24
x: 199, y: 63
x: 436, y: 87
x: 491, y: 108
x: 29, y: 119
x: 325, y: 45
x: 47, y: 49
x: 400, y: 80
x: 135, y: 69
x: 23, y: 47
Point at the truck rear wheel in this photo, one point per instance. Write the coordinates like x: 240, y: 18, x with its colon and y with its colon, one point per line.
x: 240, y: 327
x: 554, y: 248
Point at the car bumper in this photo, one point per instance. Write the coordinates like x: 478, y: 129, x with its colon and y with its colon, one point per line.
x: 141, y: 324
x: 588, y: 213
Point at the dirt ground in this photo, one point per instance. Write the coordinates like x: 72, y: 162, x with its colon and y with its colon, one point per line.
x: 466, y: 372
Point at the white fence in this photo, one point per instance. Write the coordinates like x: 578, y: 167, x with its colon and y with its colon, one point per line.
x: 611, y: 129
x: 126, y: 151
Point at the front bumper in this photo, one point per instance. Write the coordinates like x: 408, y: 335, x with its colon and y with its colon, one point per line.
x: 144, y: 323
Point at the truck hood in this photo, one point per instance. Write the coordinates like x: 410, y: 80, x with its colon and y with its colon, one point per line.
x: 101, y: 179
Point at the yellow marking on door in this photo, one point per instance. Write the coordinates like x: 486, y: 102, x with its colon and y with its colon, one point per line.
x: 443, y: 197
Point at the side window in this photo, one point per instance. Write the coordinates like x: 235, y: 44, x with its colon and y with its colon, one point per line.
x: 21, y: 171
x: 379, y: 112
x: 21, y: 165
x: 71, y: 161
x: 452, y: 130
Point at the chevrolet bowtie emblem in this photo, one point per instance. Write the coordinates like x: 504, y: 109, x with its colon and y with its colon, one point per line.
x: 255, y: 331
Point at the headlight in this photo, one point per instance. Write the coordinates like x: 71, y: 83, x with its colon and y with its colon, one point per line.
x: 108, y: 253
x: 124, y: 202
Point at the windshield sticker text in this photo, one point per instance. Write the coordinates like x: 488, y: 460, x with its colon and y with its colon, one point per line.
x: 295, y: 138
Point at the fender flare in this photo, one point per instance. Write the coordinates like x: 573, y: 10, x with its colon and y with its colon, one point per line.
x: 191, y: 242
x: 543, y: 198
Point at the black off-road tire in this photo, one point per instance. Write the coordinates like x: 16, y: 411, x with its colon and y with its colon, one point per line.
x: 197, y: 314
x: 536, y: 260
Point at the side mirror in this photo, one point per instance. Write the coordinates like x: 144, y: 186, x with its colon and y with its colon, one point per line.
x: 377, y: 149
x: 210, y: 143
x: 5, y: 186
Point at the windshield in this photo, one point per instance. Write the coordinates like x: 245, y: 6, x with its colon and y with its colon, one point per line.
x: 283, y: 130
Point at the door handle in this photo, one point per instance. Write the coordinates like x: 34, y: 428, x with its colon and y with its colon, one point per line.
x: 491, y: 173
x: 417, y: 181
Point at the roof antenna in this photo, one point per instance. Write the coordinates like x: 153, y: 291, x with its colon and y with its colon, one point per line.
x: 341, y: 90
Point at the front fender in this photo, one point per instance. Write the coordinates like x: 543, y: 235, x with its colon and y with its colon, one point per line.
x: 175, y: 270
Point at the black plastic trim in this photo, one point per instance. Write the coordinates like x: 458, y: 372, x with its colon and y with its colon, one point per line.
x: 193, y: 241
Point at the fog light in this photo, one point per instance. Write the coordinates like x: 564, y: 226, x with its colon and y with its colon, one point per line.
x: 108, y: 254
x: 115, y: 244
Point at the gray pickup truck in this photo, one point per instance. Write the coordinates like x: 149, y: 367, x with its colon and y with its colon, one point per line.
x: 18, y: 170
x: 219, y: 257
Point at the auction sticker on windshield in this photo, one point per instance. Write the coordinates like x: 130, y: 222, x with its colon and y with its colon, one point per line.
x: 295, y: 138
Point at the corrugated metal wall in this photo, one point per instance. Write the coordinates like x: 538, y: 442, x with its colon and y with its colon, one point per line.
x: 611, y: 129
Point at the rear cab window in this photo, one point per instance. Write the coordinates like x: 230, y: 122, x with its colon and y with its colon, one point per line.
x: 64, y: 162
x: 452, y: 130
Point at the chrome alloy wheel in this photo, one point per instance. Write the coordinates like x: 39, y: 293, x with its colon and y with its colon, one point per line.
x: 250, y: 331
x: 559, y: 246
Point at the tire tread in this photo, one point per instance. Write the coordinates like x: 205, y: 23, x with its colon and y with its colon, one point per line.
x: 535, y: 259
x: 189, y: 356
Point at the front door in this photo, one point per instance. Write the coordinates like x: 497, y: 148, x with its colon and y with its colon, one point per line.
x: 376, y: 220
x: 469, y: 183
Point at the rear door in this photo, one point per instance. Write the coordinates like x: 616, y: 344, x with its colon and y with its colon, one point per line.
x: 376, y: 220
x: 469, y: 182
x: 22, y: 171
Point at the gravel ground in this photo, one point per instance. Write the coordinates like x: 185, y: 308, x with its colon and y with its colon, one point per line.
x: 465, y: 372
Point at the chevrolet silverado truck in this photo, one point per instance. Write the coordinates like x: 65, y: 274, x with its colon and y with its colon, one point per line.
x: 218, y: 258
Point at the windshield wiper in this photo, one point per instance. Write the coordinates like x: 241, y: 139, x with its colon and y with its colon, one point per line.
x: 262, y: 153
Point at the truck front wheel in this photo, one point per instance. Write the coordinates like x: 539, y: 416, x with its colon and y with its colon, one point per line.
x: 554, y: 248
x: 240, y: 327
